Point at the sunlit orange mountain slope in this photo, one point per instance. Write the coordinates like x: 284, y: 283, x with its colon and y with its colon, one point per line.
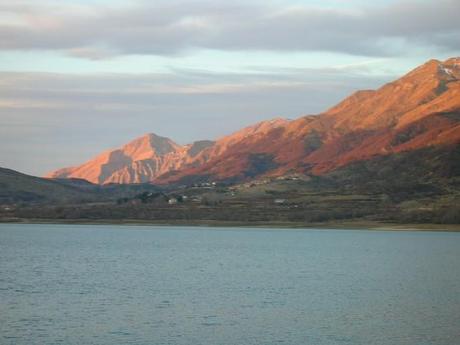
x: 420, y: 109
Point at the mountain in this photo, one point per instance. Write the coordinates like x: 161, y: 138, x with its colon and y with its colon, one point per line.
x: 141, y: 160
x: 419, y: 110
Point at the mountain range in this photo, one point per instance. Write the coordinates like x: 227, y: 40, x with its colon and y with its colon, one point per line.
x: 420, y: 110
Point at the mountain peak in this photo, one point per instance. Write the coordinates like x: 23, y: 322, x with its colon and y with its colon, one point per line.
x: 438, y: 70
x: 450, y: 69
x: 453, y: 61
x: 405, y: 98
x: 265, y: 126
x: 149, y: 145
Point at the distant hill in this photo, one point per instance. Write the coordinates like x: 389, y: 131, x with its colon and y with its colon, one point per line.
x: 16, y: 187
x: 419, y: 110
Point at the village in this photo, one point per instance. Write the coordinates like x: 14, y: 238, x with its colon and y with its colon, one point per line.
x: 215, y: 192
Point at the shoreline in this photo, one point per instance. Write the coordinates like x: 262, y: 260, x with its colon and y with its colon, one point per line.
x: 345, y: 225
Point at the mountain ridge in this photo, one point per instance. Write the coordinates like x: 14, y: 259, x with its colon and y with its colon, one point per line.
x: 420, y: 109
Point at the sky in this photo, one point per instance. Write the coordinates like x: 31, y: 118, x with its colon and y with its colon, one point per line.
x: 78, y: 77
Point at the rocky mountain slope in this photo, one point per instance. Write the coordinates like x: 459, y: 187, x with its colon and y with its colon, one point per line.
x: 421, y: 109
x: 141, y: 160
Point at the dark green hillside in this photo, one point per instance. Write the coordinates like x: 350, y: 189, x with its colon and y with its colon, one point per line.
x: 18, y: 188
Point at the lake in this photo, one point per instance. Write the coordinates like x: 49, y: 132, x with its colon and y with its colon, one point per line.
x: 111, y: 284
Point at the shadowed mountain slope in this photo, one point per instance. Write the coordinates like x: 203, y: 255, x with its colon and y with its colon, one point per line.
x: 18, y: 187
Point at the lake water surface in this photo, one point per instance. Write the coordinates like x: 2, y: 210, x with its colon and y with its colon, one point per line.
x: 104, y: 284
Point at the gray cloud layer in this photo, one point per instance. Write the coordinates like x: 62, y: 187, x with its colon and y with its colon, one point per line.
x: 99, y: 32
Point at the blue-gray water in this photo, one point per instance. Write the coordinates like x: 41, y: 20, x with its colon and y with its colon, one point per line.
x: 64, y: 284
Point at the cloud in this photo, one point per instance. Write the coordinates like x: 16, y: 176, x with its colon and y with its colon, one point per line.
x: 181, y: 86
x: 171, y: 28
x: 89, y: 53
